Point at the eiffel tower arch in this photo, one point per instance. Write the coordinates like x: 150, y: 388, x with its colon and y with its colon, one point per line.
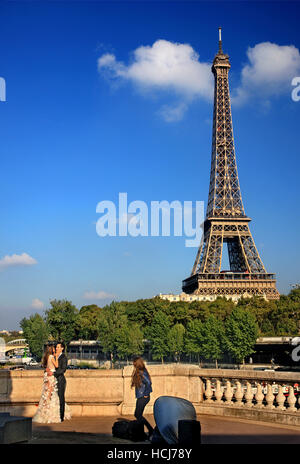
x: 226, y: 221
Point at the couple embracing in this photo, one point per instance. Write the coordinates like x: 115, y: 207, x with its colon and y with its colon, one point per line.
x: 52, y: 407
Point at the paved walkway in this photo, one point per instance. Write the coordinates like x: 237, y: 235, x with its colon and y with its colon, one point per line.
x: 215, y: 430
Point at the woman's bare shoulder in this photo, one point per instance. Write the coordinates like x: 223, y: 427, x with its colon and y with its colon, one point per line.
x: 51, y: 358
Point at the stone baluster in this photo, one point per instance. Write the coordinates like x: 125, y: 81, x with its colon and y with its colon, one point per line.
x: 270, y: 397
x: 208, y: 391
x: 280, y: 399
x: 238, y: 394
x: 259, y: 396
x: 249, y: 395
x: 291, y: 399
x: 218, y: 392
x: 228, y: 393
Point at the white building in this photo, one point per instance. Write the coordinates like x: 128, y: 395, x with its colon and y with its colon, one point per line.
x: 4, y: 332
x: 191, y: 297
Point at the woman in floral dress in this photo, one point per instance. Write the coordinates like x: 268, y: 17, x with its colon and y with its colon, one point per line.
x: 48, y: 409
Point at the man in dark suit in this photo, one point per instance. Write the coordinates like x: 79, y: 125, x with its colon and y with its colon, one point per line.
x: 60, y: 376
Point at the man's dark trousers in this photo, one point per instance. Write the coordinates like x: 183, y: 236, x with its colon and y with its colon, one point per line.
x: 61, y: 382
x: 61, y: 388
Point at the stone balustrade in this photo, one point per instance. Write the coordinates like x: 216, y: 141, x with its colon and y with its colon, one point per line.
x: 246, y: 390
x: 257, y: 395
x: 260, y: 395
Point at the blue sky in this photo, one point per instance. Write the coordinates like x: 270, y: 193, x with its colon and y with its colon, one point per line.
x: 76, y: 131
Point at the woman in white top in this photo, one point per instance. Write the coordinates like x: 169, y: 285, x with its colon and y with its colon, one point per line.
x: 48, y: 410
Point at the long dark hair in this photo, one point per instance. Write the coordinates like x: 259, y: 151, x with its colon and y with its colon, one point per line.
x: 139, y: 369
x: 48, y: 350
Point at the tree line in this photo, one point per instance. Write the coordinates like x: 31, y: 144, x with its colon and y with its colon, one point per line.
x: 202, y: 329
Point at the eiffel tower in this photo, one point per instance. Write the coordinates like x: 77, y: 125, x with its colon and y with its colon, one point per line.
x: 226, y: 221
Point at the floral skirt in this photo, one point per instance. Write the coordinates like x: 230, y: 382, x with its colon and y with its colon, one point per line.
x: 48, y: 410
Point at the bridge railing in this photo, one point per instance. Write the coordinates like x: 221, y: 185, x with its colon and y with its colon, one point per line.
x: 251, y: 390
x: 18, y: 342
x: 266, y: 396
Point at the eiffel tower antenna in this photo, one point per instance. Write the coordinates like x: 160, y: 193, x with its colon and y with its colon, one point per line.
x: 226, y: 221
x: 220, y: 40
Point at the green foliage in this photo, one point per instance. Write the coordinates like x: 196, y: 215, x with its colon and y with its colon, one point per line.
x: 157, y: 333
x: 175, y: 338
x: 61, y: 320
x: 241, y: 333
x: 87, y: 322
x: 212, y: 338
x: 86, y: 365
x: 221, y: 308
x: 130, y: 340
x: 193, y: 337
x: 199, y: 325
x: 36, y: 333
x: 206, y: 339
x: 110, y: 322
x: 267, y: 328
x: 143, y: 311
x: 294, y: 295
x: 286, y: 315
x: 179, y: 312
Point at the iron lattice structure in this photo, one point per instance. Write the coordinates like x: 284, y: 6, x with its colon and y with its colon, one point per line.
x: 226, y: 221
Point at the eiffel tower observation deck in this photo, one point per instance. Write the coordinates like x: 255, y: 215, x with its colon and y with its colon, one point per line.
x: 226, y: 221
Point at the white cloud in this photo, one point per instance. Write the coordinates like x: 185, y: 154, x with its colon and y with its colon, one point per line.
x: 164, y: 66
x: 173, y: 113
x: 37, y: 304
x: 16, y: 260
x: 101, y: 295
x: 269, y: 71
x: 176, y: 69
